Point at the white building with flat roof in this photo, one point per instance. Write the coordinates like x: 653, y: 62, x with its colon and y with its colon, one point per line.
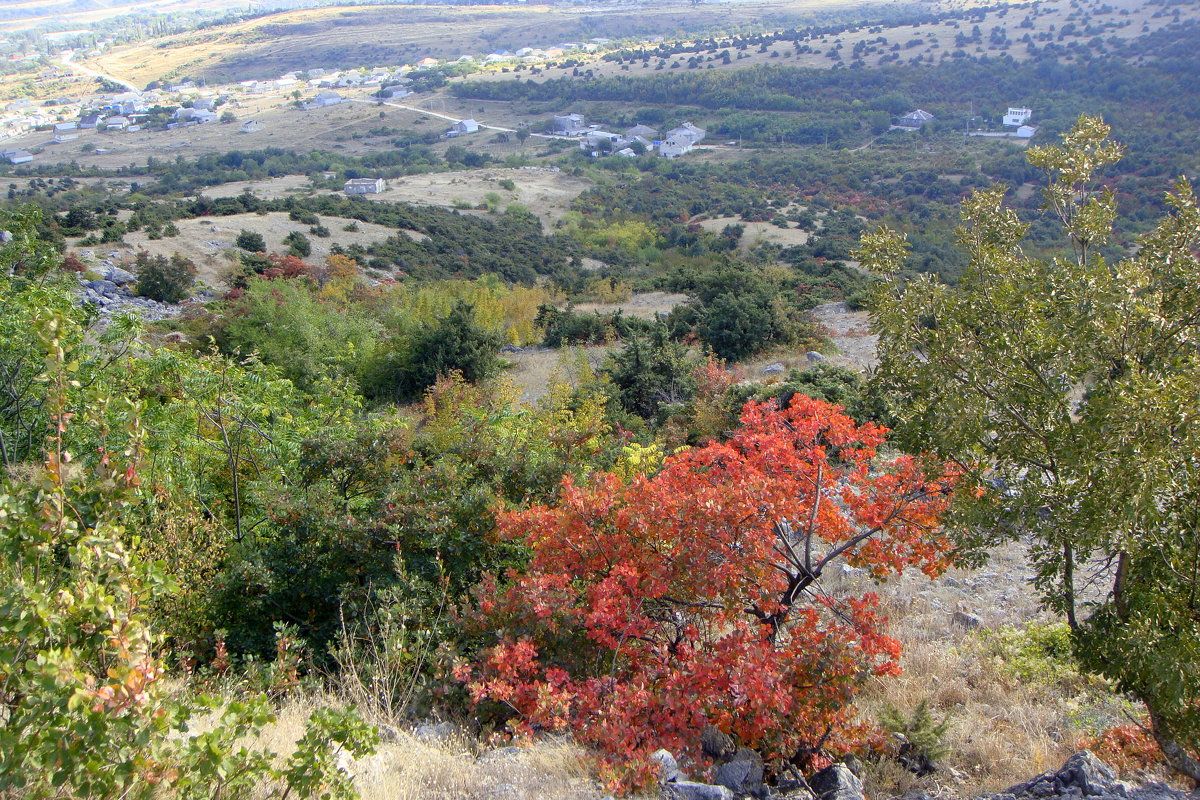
x: 1017, y: 116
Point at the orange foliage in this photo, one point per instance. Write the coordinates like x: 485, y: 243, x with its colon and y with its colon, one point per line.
x: 692, y: 597
x: 1127, y: 748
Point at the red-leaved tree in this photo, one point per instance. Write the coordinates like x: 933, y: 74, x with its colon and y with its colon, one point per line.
x: 693, y: 597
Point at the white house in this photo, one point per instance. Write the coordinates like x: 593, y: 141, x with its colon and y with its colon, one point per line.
x: 1026, y: 131
x: 326, y: 99
x: 60, y: 138
x: 63, y: 127
x: 569, y: 125
x: 645, y: 131
x: 688, y: 131
x: 1017, y: 116
x: 116, y: 123
x: 915, y: 119
x: 194, y: 115
x: 680, y: 140
x: 15, y: 156
x: 251, y: 125
x: 464, y: 126
x: 364, y: 186
x: 593, y: 139
x: 675, y: 146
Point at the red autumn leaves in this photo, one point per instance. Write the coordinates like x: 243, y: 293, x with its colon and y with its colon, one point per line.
x: 694, y: 596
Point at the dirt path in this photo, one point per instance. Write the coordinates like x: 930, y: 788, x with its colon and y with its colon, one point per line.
x: 850, y: 332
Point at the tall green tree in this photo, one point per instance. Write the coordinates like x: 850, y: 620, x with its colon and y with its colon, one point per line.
x: 1067, y: 389
x: 409, y: 364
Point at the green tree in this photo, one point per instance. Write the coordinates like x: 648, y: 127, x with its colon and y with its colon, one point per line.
x: 26, y: 294
x: 87, y: 712
x: 162, y: 279
x: 288, y: 325
x: 652, y: 372
x: 251, y: 242
x: 298, y: 244
x: 1066, y: 389
x: 736, y: 327
x: 411, y: 363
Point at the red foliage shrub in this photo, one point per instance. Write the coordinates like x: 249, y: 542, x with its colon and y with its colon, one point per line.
x: 1129, y: 748
x: 692, y: 597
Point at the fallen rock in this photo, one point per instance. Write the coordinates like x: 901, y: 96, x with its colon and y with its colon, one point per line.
x: 102, y: 287
x: 716, y: 744
x: 814, y: 357
x: 668, y: 767
x: 433, y: 733
x: 965, y: 620
x: 120, y: 276
x: 1085, y: 776
x: 771, y: 369
x: 688, y: 790
x: 836, y: 782
x: 742, y: 774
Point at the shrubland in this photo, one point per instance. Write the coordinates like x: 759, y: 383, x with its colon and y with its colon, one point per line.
x: 342, y: 491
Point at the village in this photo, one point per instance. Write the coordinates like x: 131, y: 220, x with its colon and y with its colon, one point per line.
x: 33, y: 128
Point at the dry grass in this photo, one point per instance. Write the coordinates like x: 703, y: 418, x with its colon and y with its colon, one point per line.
x: 758, y: 232
x: 208, y: 240
x: 450, y: 767
x: 1004, y: 730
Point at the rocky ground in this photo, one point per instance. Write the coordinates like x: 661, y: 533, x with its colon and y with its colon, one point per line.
x: 114, y: 294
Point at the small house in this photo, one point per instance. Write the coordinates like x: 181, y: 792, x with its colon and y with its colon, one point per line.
x: 15, y: 156
x: 63, y: 127
x: 116, y: 123
x: 1026, y: 131
x: 251, y: 126
x: 89, y: 121
x: 364, y: 186
x: 687, y: 131
x: 595, y: 139
x: 464, y: 126
x: 569, y: 125
x: 914, y: 119
x: 675, y: 146
x: 644, y: 131
x: 327, y: 98
x: 1017, y: 116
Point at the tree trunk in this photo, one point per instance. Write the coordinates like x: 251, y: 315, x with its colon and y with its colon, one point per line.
x: 1176, y: 754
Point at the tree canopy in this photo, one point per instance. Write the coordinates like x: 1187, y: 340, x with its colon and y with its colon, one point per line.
x: 1066, y: 389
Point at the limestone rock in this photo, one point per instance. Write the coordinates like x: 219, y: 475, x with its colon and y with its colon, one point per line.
x: 836, y: 782
x: 716, y: 744
x: 668, y: 767
x: 688, y: 790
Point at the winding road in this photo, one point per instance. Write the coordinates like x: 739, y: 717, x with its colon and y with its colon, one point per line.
x: 68, y: 62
